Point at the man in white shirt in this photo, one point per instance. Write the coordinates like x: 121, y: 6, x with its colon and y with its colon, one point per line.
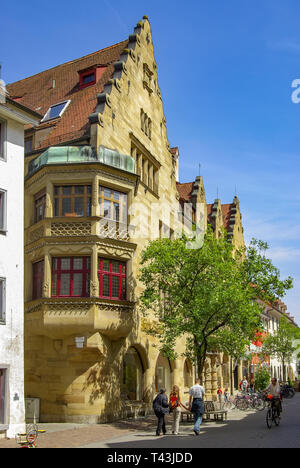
x: 274, y: 389
x: 196, y: 405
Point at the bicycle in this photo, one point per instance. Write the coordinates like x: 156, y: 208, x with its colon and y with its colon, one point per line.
x: 273, y: 411
x: 29, y: 438
x: 287, y: 391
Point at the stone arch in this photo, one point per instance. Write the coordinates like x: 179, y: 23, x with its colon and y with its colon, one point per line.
x: 132, y: 374
x: 163, y: 373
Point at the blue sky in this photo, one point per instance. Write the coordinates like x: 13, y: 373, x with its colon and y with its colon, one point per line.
x: 225, y: 72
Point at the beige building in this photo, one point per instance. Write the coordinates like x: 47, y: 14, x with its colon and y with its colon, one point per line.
x: 100, y: 181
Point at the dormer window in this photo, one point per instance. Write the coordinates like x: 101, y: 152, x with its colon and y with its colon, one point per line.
x: 56, y: 110
x: 87, y: 79
x: 90, y: 76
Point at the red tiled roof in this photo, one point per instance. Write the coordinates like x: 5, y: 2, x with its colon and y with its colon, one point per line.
x: 37, y: 93
x: 185, y: 190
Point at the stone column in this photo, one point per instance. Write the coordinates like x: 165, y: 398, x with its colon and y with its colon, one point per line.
x: 47, y: 275
x: 94, y: 283
x: 208, y: 379
x: 214, y: 377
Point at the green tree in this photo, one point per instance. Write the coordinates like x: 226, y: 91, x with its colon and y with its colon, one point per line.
x: 282, y: 343
x: 207, y: 295
x: 262, y: 379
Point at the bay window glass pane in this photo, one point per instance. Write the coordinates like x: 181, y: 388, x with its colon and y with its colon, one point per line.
x: 116, y: 215
x: 107, y: 209
x: 115, y: 286
x: 56, y: 207
x: 87, y: 284
x: 117, y: 195
x: 77, y: 263
x: 107, y: 193
x: 54, y: 284
x: 79, y: 209
x: 115, y: 267
x: 106, y: 265
x: 55, y: 263
x: 79, y: 189
x: 66, y: 206
x: 67, y: 190
x: 77, y: 284
x: 105, y: 285
x: 89, y: 207
x: 65, y: 264
x: 65, y: 284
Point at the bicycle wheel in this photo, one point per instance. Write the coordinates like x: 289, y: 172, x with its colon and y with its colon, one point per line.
x: 276, y: 418
x: 291, y: 393
x: 259, y: 404
x: 269, y: 418
x: 242, y: 404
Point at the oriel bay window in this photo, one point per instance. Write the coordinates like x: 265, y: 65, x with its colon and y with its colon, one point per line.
x: 112, y: 279
x: 71, y: 277
x: 113, y: 205
x: 72, y: 200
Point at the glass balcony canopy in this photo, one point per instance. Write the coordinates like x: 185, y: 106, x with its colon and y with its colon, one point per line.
x: 81, y: 155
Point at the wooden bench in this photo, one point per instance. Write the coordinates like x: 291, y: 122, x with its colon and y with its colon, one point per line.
x: 210, y: 408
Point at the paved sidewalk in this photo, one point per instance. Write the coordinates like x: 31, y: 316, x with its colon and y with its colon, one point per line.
x: 68, y: 435
x: 243, y: 429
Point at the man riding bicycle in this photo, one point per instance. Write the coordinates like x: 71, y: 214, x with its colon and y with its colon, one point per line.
x: 274, y: 390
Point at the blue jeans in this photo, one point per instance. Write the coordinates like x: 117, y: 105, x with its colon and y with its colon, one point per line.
x: 198, y: 421
x: 198, y: 411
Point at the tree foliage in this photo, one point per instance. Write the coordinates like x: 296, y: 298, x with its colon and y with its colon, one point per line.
x: 207, y: 295
x: 282, y: 343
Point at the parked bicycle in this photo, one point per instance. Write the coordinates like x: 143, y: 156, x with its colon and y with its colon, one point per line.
x: 287, y: 391
x: 29, y: 438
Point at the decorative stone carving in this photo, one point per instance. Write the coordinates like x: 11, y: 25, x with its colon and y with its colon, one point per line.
x: 70, y: 229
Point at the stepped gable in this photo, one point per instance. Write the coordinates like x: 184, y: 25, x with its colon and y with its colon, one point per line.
x: 61, y: 83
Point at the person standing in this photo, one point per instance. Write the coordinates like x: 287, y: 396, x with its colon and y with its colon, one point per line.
x: 196, y: 405
x: 220, y: 393
x: 244, y: 385
x: 175, y: 408
x: 161, y: 408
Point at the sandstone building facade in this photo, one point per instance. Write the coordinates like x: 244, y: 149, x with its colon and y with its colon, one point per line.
x: 100, y: 181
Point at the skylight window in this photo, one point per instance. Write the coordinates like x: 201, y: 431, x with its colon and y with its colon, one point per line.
x: 56, y: 110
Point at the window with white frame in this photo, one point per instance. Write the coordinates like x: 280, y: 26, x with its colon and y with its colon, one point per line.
x: 2, y: 140
x: 2, y: 300
x: 56, y: 110
x: 2, y: 210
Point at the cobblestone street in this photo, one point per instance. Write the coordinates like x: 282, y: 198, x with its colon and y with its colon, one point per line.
x: 241, y: 430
